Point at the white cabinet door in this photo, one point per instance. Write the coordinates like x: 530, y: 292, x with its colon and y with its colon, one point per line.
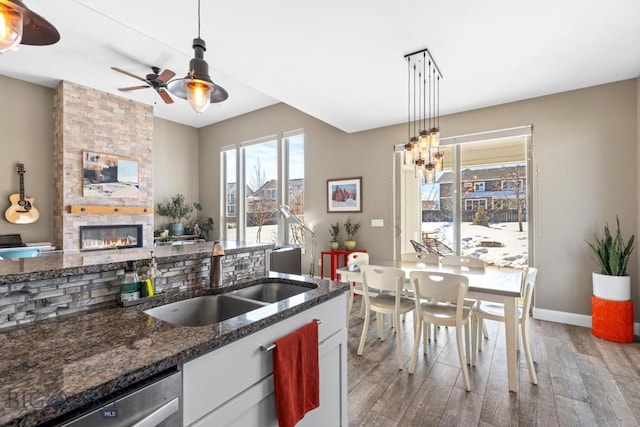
x: 234, y: 384
x: 256, y: 406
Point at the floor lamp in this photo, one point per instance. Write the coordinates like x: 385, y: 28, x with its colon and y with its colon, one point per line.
x: 286, y: 213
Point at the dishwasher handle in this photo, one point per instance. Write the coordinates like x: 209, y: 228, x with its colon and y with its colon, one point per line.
x: 160, y: 414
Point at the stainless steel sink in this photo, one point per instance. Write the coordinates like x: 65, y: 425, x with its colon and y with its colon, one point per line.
x: 270, y: 291
x: 209, y: 309
x: 204, y: 310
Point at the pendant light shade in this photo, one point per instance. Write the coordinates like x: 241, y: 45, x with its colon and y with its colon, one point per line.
x: 197, y: 87
x: 423, y: 112
x: 20, y: 25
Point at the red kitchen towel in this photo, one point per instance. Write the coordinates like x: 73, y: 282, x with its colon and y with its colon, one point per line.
x: 296, y: 374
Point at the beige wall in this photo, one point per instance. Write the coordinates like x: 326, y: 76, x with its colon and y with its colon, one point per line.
x: 175, y: 163
x: 585, y: 149
x: 27, y: 137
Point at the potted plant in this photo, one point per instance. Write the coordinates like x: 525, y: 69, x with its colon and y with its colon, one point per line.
x: 177, y: 210
x: 351, y: 228
x: 203, y: 224
x: 335, y: 232
x: 612, y: 256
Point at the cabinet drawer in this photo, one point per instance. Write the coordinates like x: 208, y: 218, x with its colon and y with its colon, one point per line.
x: 214, y: 378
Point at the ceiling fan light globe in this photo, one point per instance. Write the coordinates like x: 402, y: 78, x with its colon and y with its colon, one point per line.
x: 10, y: 28
x: 198, y: 94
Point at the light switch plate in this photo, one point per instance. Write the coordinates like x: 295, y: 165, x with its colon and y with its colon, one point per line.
x: 377, y: 222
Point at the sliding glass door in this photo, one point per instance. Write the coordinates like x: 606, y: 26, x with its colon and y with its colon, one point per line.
x: 479, y: 204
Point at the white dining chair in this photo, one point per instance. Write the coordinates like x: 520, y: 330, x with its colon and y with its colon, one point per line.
x: 354, y: 260
x: 469, y: 262
x: 420, y: 257
x: 389, y: 282
x: 430, y: 290
x: 494, y: 311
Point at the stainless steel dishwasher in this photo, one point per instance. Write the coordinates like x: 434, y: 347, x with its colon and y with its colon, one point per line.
x: 153, y: 403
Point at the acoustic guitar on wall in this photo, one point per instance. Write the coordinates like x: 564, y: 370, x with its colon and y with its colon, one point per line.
x: 22, y: 210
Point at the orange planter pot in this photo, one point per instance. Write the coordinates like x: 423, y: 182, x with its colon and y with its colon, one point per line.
x: 612, y: 320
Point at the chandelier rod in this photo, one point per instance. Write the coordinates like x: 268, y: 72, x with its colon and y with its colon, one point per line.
x: 430, y: 57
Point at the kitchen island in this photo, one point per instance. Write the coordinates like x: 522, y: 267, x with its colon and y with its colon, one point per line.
x: 56, y: 366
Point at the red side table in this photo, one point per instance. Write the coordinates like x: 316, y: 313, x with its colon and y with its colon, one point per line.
x: 335, y: 260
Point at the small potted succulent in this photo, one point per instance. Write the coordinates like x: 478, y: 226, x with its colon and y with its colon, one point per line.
x: 351, y: 228
x: 335, y: 232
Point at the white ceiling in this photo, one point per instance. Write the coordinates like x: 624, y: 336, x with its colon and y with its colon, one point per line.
x: 340, y: 61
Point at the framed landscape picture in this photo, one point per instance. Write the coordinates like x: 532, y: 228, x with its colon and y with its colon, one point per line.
x: 108, y: 175
x: 344, y: 195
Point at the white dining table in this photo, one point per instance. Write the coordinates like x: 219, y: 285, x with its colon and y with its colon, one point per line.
x: 495, y: 284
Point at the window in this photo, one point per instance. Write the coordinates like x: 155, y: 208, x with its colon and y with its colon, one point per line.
x: 252, y: 178
x: 474, y: 204
x: 493, y: 227
x: 229, y: 186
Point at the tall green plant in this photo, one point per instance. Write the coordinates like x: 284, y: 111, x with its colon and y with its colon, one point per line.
x: 612, y: 254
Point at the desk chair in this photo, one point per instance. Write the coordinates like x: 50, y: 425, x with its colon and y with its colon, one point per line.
x: 388, y: 282
x: 430, y: 290
x: 495, y: 311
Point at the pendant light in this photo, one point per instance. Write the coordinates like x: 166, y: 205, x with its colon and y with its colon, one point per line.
x: 423, y: 148
x: 197, y: 87
x: 20, y: 25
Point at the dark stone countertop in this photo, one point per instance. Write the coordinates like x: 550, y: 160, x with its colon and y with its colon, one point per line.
x: 50, y: 265
x: 58, y: 365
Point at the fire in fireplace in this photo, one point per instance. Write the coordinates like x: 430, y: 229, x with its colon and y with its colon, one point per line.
x: 93, y: 237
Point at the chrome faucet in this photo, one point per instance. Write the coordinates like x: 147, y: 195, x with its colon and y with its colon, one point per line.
x: 216, y: 253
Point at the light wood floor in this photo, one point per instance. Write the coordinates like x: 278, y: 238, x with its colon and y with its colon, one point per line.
x: 582, y: 380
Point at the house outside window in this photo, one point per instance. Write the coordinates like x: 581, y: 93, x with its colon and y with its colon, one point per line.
x: 478, y: 186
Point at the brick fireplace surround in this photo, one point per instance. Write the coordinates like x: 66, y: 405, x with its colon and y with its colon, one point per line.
x: 90, y: 120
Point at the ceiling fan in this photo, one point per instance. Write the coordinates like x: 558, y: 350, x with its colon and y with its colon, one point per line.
x: 154, y: 80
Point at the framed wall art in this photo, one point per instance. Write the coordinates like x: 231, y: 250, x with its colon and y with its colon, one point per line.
x: 344, y: 195
x: 109, y: 175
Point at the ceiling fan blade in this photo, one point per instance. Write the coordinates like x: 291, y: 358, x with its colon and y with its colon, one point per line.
x: 165, y: 76
x: 126, y: 89
x: 165, y: 96
x: 127, y: 73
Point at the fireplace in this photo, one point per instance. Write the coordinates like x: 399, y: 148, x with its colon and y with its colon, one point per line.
x: 94, y: 237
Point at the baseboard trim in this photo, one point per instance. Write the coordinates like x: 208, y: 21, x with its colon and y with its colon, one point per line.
x: 570, y: 318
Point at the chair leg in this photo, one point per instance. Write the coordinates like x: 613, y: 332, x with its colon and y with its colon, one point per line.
x: 526, y: 343
x: 462, y: 358
x: 484, y: 330
x: 398, y: 343
x: 365, y: 329
x: 362, y: 308
x: 426, y: 333
x: 475, y: 337
x: 380, y: 322
x: 416, y: 345
x: 467, y: 341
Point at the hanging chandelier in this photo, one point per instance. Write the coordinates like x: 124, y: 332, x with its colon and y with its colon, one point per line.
x: 197, y: 87
x: 423, y: 115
